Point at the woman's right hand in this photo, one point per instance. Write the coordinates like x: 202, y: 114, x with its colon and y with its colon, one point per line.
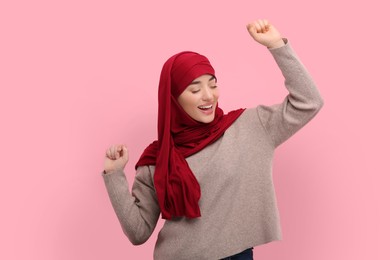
x: 116, y: 158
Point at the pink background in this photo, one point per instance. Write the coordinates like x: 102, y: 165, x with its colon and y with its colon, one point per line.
x: 78, y: 76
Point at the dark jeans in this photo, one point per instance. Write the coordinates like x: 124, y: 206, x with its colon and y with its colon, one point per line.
x: 244, y: 255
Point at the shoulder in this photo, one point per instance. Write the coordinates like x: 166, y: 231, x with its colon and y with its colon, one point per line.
x: 145, y: 174
x: 248, y: 123
x: 249, y: 116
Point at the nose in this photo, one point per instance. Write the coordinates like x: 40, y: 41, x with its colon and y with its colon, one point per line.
x: 207, y: 94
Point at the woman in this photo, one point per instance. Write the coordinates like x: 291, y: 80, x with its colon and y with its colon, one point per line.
x: 210, y: 174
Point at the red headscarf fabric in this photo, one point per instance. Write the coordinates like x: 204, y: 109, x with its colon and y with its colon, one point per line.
x: 180, y: 136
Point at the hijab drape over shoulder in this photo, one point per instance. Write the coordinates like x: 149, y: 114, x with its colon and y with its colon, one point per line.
x: 180, y: 136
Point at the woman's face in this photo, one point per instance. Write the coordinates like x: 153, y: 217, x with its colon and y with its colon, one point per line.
x: 200, y: 98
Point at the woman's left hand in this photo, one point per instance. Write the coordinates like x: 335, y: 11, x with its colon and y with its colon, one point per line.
x: 264, y: 33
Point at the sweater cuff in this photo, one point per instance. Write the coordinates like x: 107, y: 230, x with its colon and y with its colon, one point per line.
x: 286, y: 43
x: 283, y: 54
x: 114, y: 173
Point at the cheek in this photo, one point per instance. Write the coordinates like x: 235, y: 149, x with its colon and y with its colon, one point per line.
x: 187, y: 101
x: 216, y: 94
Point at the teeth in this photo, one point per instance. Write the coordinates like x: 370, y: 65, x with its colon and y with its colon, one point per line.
x: 206, y: 107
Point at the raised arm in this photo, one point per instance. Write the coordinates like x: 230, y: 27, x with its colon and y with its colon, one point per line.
x: 137, y: 211
x: 303, y: 101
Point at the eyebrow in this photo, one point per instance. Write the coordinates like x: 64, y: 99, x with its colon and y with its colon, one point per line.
x: 197, y: 82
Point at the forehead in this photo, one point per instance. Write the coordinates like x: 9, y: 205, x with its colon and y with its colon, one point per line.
x: 203, y: 78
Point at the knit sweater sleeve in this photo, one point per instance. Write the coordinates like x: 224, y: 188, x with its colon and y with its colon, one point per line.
x: 137, y: 211
x: 301, y: 104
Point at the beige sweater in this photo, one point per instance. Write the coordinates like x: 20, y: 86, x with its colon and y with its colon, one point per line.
x: 238, y: 203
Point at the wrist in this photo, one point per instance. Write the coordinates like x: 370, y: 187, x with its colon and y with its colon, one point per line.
x: 111, y: 171
x: 276, y: 44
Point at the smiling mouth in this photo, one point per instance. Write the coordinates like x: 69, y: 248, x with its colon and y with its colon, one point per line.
x: 205, y: 107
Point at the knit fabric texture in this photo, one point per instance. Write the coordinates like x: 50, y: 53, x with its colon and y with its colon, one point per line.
x: 238, y: 203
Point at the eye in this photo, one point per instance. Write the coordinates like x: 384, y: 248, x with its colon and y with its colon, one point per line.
x: 195, y: 91
x: 214, y: 86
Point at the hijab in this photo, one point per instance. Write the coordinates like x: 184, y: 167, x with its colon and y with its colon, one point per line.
x: 179, y: 136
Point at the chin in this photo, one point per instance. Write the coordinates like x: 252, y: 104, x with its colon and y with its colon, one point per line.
x: 207, y: 120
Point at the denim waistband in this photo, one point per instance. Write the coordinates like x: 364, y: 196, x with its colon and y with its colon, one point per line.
x: 244, y: 255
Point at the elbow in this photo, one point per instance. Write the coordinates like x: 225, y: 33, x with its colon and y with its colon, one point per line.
x: 309, y: 106
x: 315, y: 104
x: 318, y: 100
x: 137, y: 241
x: 319, y: 104
x: 315, y: 107
x: 137, y: 238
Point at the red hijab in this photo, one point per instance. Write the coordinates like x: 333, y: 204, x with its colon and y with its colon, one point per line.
x: 180, y: 136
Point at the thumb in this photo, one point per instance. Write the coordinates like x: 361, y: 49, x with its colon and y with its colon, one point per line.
x: 125, y: 152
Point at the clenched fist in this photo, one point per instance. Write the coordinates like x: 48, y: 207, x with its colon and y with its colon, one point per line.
x: 116, y: 158
x: 264, y: 33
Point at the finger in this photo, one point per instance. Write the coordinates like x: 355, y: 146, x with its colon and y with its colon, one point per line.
x: 267, y: 25
x: 258, y: 26
x: 109, y: 154
x: 118, y: 151
x: 113, y: 152
x: 122, y: 150
x: 251, y: 29
x: 262, y: 26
